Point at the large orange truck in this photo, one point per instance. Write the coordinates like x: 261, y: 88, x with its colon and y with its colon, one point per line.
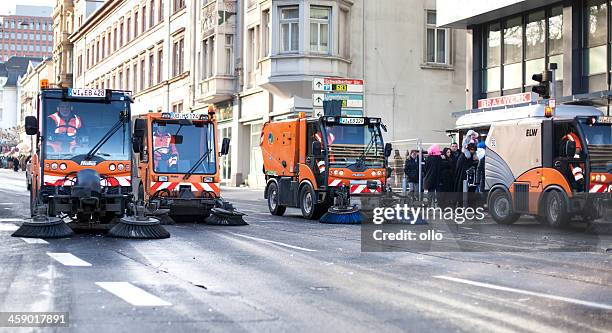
x: 551, y: 162
x: 307, y: 161
x: 82, y: 163
x: 177, y: 163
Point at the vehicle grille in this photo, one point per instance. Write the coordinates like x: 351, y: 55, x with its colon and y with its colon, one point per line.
x: 600, y: 157
x: 521, y: 197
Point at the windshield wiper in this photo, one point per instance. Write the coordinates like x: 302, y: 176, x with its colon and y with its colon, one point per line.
x: 361, y: 160
x: 197, y: 164
x: 120, y: 123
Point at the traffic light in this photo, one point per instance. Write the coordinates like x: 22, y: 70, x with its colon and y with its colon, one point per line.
x: 543, y: 88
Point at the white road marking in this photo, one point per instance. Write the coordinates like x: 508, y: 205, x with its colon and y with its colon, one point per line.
x: 8, y: 227
x: 527, y: 292
x: 12, y: 219
x: 275, y: 243
x: 68, y: 259
x: 132, y: 294
x: 34, y: 240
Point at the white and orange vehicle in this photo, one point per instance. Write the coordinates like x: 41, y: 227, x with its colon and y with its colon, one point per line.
x: 551, y: 162
x: 307, y: 160
x: 177, y: 158
x: 82, y: 162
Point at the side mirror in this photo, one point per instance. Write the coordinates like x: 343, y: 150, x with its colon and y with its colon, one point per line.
x: 568, y: 149
x: 137, y: 145
x: 177, y: 139
x: 316, y: 148
x: 139, y: 128
x: 225, y: 146
x: 388, y: 149
x: 31, y: 125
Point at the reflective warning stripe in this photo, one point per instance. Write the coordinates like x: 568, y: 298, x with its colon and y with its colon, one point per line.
x: 577, y: 172
x: 195, y: 187
x: 334, y: 182
x: 63, y: 181
x: 357, y: 189
x: 597, y: 188
x: 321, y: 165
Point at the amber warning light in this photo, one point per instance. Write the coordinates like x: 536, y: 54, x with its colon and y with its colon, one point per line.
x: 44, y: 84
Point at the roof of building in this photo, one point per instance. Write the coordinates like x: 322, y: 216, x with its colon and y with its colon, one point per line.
x: 15, y: 67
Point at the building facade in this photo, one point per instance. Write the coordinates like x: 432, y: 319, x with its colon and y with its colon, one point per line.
x: 10, y: 72
x: 511, y: 40
x: 139, y: 46
x: 63, y: 26
x: 28, y: 87
x: 28, y: 33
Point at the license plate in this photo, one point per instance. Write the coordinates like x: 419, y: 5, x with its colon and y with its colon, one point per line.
x: 352, y: 121
x: 86, y: 92
x: 604, y: 120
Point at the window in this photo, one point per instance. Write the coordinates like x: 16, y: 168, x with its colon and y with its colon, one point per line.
x: 178, y: 5
x: 151, y: 13
x: 177, y: 107
x: 143, y: 19
x: 265, y: 33
x: 160, y: 11
x: 437, y: 41
x: 289, y: 29
x: 229, y: 54
x: 135, y: 24
x: 103, y: 45
x: 127, y: 78
x: 97, y: 51
x: 555, y: 39
x: 142, y: 73
x: 108, y: 45
x: 121, y: 34
x: 178, y: 57
x: 151, y: 68
x: 160, y: 65
x: 87, y: 59
x: 596, y: 37
x: 535, y: 46
x: 319, y: 29
x: 513, y: 45
x: 120, y: 82
x: 114, y: 39
x: 135, y: 77
x: 492, y: 75
x: 128, y: 35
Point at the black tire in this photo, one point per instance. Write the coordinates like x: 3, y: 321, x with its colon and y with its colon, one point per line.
x: 555, y: 209
x: 273, y: 206
x: 501, y: 208
x: 308, y: 203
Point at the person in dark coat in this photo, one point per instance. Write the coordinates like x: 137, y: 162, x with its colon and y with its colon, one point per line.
x: 411, y: 169
x: 466, y: 160
x: 432, y: 171
x: 447, y: 178
x: 15, y: 164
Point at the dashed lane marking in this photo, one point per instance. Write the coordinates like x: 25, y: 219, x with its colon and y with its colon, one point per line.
x: 34, y: 240
x: 8, y: 227
x: 132, y: 294
x: 68, y: 259
x: 11, y: 219
x: 527, y: 292
x: 274, y: 242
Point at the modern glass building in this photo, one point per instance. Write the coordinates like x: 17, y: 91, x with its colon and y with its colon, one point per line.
x: 511, y: 40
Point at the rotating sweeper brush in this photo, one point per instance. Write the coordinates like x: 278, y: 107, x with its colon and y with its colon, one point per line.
x: 43, y: 226
x: 139, y: 226
x: 342, y: 212
x: 224, y: 213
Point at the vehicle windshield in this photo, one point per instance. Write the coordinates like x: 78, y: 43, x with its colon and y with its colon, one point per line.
x: 73, y: 128
x: 177, y: 148
x: 597, y: 134
x: 347, y: 143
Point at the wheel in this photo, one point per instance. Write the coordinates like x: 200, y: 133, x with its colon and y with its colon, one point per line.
x: 500, y: 208
x: 308, y: 203
x: 555, y: 209
x: 273, y: 206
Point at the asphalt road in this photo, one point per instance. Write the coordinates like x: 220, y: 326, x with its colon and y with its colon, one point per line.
x: 289, y: 274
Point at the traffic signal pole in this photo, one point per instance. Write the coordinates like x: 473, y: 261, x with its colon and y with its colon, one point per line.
x: 553, y: 84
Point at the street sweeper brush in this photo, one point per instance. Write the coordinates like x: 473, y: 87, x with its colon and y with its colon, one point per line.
x: 225, y: 214
x: 139, y: 226
x: 342, y: 212
x: 43, y: 226
x: 160, y: 214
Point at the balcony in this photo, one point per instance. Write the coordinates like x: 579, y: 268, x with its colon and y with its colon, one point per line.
x: 215, y: 89
x: 291, y: 74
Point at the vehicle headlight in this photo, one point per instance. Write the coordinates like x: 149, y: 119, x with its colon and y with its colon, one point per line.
x: 54, y: 166
x: 335, y: 172
x: 373, y: 173
x: 112, y: 167
x: 341, y: 173
x: 379, y: 173
x: 598, y: 178
x: 162, y: 178
x: 120, y: 167
x: 63, y: 166
x: 603, y: 178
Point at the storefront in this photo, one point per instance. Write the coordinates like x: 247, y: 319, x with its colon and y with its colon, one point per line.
x: 512, y: 40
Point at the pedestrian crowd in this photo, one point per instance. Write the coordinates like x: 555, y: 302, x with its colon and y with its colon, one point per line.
x: 446, y: 173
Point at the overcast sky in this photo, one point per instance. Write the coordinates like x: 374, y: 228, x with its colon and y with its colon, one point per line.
x: 8, y: 6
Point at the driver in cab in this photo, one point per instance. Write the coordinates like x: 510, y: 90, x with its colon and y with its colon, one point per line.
x: 165, y: 154
x: 65, y: 124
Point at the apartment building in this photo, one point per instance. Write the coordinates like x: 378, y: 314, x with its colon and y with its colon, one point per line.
x: 28, y: 33
x: 137, y: 45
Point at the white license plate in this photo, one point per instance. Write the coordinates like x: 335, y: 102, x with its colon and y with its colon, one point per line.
x: 86, y: 92
x: 604, y: 120
x: 352, y: 121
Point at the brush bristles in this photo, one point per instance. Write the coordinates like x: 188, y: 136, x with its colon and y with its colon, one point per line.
x: 345, y: 218
x: 124, y: 230
x: 52, y: 230
x: 225, y: 219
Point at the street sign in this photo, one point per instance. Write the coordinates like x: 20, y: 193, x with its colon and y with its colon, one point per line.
x: 318, y: 112
x: 337, y: 85
x: 528, y: 97
x: 351, y: 101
